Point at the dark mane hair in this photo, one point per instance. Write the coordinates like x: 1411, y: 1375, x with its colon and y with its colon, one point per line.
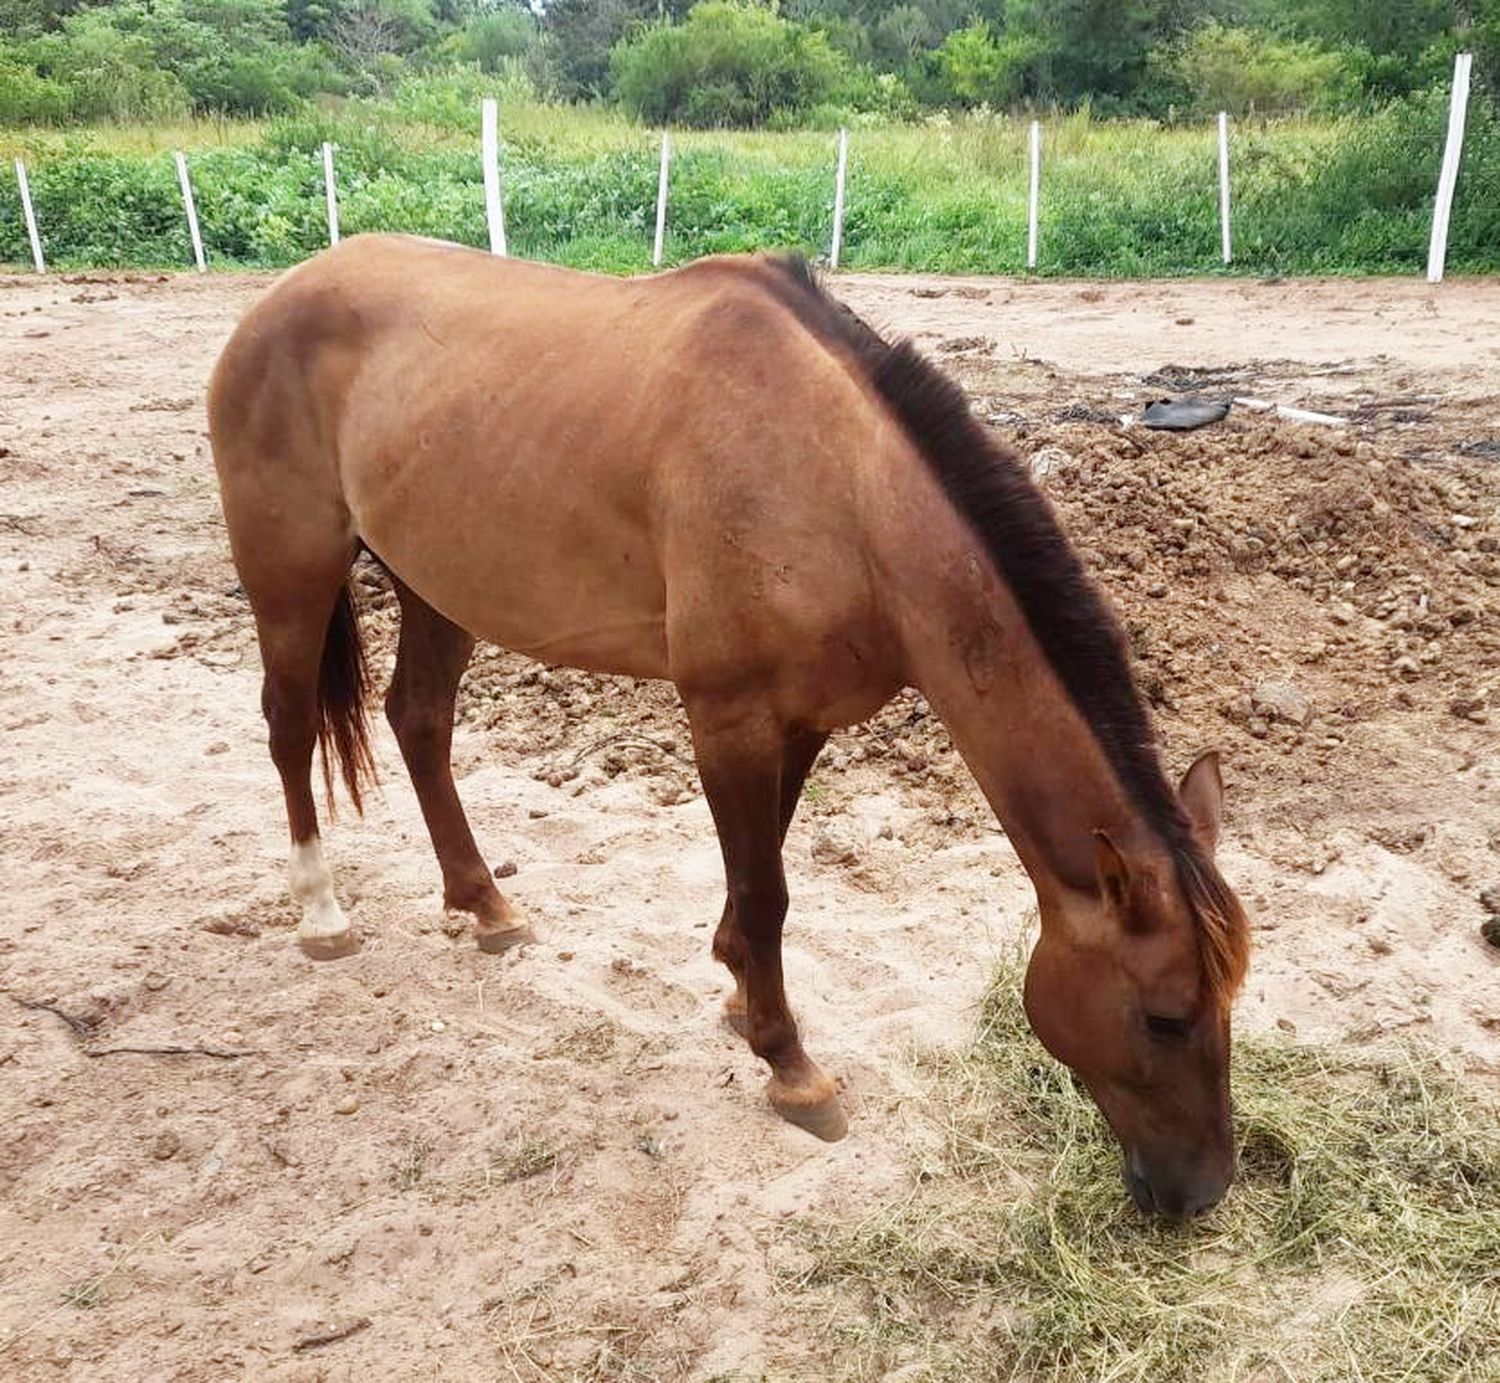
x: 1078, y: 634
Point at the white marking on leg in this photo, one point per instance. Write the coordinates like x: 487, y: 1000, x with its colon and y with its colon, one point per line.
x: 312, y: 886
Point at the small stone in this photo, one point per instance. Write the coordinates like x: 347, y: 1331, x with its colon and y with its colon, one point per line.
x: 834, y: 846
x: 1048, y: 460
x: 505, y: 870
x: 1489, y: 899
x: 1491, y: 931
x: 537, y: 813
x: 1286, y: 1025
x: 1282, y: 700
x: 1157, y: 591
x: 156, y: 981
x: 438, y: 1025
x: 165, y: 1145
x: 346, y: 1105
x: 1406, y: 667
x: 218, y: 747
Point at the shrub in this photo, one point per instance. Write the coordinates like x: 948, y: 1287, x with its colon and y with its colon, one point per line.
x: 726, y: 64
x: 494, y: 37
x: 27, y: 97
x: 1240, y: 70
x: 973, y: 66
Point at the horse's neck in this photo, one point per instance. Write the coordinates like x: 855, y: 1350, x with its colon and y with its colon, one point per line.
x: 970, y: 651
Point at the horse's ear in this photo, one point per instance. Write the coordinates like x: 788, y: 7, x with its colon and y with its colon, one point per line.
x: 1113, y: 876
x: 1202, y: 796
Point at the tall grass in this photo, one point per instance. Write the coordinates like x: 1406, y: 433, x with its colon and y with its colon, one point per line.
x: 1120, y: 198
x: 1361, y: 1242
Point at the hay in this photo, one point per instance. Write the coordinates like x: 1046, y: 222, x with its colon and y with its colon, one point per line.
x: 1361, y: 1242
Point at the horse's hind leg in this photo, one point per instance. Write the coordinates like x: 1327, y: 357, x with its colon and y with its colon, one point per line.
x: 297, y: 626
x: 741, y: 752
x: 801, y: 752
x: 430, y: 660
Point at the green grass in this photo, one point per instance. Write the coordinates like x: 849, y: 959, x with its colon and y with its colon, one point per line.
x: 1361, y: 1242
x: 1123, y: 198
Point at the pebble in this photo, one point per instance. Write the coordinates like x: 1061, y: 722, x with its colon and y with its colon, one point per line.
x: 157, y: 981
x: 505, y: 870
x: 165, y: 1145
x: 834, y: 846
x: 346, y: 1105
x: 1491, y: 931
x: 1282, y: 700
x: 438, y: 1025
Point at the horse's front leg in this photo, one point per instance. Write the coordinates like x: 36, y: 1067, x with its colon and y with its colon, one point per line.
x: 743, y: 761
x: 798, y: 756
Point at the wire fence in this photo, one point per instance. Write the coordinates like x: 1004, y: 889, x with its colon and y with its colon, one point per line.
x: 1221, y: 209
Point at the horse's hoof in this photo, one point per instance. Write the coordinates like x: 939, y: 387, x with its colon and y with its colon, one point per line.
x: 493, y: 943
x: 329, y: 946
x: 823, y: 1118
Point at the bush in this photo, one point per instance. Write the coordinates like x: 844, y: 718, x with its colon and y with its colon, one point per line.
x: 726, y: 64
x: 493, y: 37
x: 28, y: 98
x: 973, y: 67
x: 1240, y: 70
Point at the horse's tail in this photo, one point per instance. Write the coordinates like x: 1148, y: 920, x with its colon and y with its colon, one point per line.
x: 343, y: 693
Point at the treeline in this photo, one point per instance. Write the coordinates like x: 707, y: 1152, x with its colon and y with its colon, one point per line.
x: 736, y: 62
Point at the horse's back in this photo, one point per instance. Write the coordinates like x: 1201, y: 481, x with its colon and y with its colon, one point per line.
x: 581, y: 467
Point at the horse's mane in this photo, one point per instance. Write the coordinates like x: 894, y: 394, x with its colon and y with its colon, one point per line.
x: 1078, y: 634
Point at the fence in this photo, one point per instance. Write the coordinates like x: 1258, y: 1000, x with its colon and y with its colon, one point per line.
x: 844, y: 191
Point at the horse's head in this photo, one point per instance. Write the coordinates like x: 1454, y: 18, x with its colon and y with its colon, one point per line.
x: 1130, y: 985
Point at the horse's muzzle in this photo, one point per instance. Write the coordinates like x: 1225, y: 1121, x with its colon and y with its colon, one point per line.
x: 1175, y: 1195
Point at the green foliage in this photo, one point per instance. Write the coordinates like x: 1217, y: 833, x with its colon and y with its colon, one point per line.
x: 975, y: 68
x: 1242, y: 70
x: 726, y: 64
x: 495, y: 37
x: 1351, y: 195
x: 28, y: 98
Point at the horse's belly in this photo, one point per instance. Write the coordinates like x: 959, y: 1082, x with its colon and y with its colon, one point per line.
x: 567, y: 583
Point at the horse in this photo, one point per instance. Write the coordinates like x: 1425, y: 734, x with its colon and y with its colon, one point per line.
x: 721, y: 477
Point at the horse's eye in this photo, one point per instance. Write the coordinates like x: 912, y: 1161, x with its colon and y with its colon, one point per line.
x: 1167, y: 1028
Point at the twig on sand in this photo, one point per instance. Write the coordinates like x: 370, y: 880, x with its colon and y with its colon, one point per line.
x: 330, y: 1337
x: 79, y: 1025
x: 83, y: 1029
x: 623, y: 739
x: 223, y: 1053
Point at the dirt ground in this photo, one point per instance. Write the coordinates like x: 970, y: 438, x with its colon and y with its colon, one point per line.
x: 557, y: 1163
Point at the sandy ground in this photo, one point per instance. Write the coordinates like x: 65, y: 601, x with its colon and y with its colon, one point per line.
x: 557, y: 1163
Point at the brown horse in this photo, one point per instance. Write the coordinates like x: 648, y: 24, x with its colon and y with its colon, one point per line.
x: 721, y: 477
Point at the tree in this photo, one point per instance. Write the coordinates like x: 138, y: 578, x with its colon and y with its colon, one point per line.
x: 726, y: 64
x: 581, y: 34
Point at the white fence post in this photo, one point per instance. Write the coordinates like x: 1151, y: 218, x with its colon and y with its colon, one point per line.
x: 1228, y: 238
x: 489, y: 148
x: 1036, y: 192
x: 331, y: 194
x: 192, y: 212
x: 661, y: 200
x: 838, y: 199
x: 36, y: 240
x: 1442, y: 208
